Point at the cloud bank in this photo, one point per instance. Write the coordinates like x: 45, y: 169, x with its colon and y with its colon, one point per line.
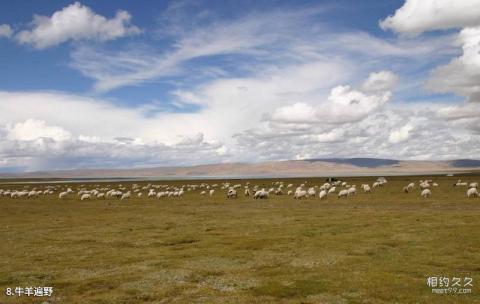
x: 263, y: 86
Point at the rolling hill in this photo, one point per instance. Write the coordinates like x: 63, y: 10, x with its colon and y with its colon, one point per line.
x: 289, y: 168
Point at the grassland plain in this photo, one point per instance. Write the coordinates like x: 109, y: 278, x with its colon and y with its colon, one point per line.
x: 371, y: 248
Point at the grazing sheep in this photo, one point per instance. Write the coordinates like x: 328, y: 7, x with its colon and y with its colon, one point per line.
x: 323, y: 194
x: 426, y: 193
x: 232, y: 193
x: 211, y: 192
x: 367, y: 189
x: 203, y: 193
x: 325, y: 186
x: 332, y: 190
x: 125, y: 195
x: 460, y: 183
x: 381, y: 181
x: 406, y: 189
x: 300, y: 194
x: 472, y: 192
x: 62, y: 194
x: 290, y: 192
x: 424, y: 185
x: 311, y: 191
x: 352, y: 191
x: 85, y: 196
x: 101, y: 195
x: 343, y: 193
x: 262, y: 194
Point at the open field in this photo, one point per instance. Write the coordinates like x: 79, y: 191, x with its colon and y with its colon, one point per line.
x: 370, y: 248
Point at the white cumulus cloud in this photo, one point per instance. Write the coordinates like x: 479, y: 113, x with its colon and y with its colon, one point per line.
x: 417, y: 16
x: 400, y: 135
x: 32, y: 129
x: 462, y: 74
x: 380, y: 81
x: 76, y: 22
x: 343, y: 104
x: 5, y: 31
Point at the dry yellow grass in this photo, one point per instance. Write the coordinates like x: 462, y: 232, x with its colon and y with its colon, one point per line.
x: 377, y: 248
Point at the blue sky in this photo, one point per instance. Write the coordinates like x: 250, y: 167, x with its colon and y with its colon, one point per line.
x: 140, y: 83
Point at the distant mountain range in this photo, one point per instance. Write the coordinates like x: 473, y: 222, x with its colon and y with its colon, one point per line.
x: 290, y: 168
x: 359, y: 162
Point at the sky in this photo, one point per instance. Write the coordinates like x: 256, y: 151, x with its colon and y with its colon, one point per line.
x: 127, y: 84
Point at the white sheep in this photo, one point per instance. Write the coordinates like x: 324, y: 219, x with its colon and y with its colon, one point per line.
x: 323, y: 194
x: 343, y: 193
x: 424, y: 185
x: 381, y: 181
x: 232, y: 193
x: 212, y: 191
x: 367, y: 189
x: 85, y: 196
x: 351, y: 191
x: 300, y: 194
x: 472, y: 192
x: 460, y: 183
x: 426, y: 193
x: 261, y: 194
x: 125, y: 195
x: 62, y: 194
x: 325, y: 186
x: 473, y: 185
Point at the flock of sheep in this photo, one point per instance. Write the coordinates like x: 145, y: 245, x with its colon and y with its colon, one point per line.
x: 340, y: 189
x: 425, y: 185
